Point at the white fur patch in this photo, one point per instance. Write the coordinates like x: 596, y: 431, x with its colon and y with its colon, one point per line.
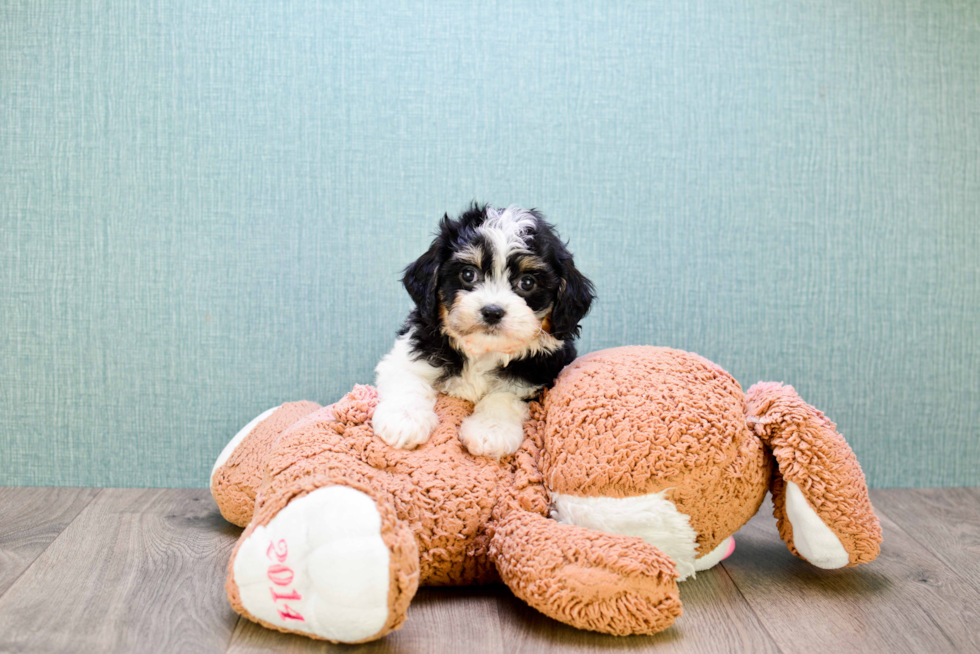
x: 651, y: 517
x: 320, y: 566
x: 506, y: 230
x: 229, y: 449
x: 812, y: 538
x: 476, y: 381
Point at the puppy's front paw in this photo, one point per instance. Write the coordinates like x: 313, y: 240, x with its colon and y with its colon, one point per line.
x: 403, y: 425
x: 486, y: 435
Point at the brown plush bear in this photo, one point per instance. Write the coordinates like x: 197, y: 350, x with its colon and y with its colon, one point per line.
x: 637, y: 467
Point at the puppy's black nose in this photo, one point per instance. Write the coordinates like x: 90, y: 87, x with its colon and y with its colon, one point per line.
x: 492, y: 314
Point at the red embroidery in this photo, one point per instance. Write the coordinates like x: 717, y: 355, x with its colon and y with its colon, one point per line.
x: 282, y: 575
x: 280, y: 553
x: 287, y: 612
x: 277, y: 596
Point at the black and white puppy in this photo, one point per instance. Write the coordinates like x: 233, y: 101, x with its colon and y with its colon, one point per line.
x: 498, y: 302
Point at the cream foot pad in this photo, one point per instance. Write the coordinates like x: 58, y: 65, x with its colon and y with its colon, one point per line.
x: 319, y: 566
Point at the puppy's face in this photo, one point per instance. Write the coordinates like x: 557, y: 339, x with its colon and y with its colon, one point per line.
x: 496, y: 292
x: 500, y: 280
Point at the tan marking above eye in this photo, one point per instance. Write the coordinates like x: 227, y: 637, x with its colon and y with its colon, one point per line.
x: 527, y: 262
x: 470, y: 254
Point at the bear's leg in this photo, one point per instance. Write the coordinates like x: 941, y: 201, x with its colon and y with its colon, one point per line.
x: 334, y: 563
x: 609, y: 583
x: 820, y: 498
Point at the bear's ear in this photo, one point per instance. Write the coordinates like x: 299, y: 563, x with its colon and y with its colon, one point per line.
x: 575, y: 295
x: 421, y: 277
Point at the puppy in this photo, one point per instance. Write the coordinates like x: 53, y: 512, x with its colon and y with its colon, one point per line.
x: 498, y: 302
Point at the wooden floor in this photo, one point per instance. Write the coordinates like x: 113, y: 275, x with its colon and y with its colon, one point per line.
x: 118, y: 570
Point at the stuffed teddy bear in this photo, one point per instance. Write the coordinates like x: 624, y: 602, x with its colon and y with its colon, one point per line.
x: 637, y: 467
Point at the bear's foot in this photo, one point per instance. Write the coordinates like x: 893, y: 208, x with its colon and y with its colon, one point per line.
x: 322, y: 567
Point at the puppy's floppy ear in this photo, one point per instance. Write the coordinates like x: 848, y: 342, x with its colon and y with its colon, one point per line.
x: 575, y: 295
x: 422, y: 275
x: 420, y: 280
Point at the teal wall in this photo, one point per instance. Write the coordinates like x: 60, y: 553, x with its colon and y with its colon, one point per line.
x: 205, y: 205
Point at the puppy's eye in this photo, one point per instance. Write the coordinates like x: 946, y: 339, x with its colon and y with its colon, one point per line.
x: 526, y: 283
x: 468, y: 275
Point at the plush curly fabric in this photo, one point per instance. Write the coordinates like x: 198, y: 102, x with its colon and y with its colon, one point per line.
x: 238, y: 480
x: 585, y: 578
x: 443, y: 494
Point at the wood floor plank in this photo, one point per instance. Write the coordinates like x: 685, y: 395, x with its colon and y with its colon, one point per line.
x: 905, y: 601
x: 449, y: 620
x: 30, y: 519
x: 945, y: 521
x: 716, y: 619
x: 136, y: 571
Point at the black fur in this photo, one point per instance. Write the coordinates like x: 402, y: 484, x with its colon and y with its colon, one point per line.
x: 574, y: 293
x: 540, y: 369
x: 433, y: 280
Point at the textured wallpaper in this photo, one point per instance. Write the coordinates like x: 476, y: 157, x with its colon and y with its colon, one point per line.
x: 204, y: 207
